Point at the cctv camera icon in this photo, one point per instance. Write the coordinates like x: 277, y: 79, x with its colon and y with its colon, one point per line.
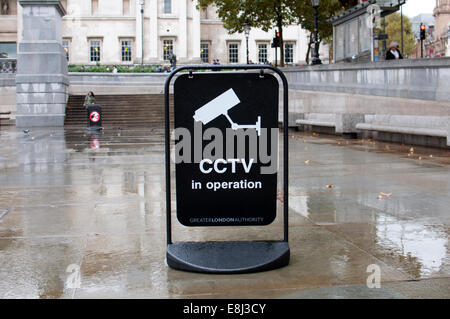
x: 220, y: 106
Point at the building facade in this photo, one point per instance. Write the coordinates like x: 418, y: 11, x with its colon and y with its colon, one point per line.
x: 436, y: 43
x: 8, y: 28
x: 127, y: 32
x: 439, y: 43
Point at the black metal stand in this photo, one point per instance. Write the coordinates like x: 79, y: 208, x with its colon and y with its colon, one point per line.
x: 228, y: 257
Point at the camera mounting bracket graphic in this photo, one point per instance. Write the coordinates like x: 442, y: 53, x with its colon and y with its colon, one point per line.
x: 220, y: 106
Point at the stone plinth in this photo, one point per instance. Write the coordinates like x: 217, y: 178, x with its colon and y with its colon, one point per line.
x: 42, y: 81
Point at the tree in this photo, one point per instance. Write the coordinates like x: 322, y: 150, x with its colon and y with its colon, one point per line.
x: 304, y: 12
x: 268, y: 14
x: 264, y: 14
x: 347, y: 4
x: 393, y: 30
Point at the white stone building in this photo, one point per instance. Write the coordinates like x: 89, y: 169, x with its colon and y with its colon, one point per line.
x: 115, y: 32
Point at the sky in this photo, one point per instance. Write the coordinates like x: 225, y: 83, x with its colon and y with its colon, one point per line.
x: 413, y: 8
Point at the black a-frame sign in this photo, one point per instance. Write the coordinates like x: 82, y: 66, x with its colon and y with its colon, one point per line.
x: 226, y: 165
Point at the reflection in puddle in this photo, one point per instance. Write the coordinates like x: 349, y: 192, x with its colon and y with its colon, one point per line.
x: 419, y: 244
x: 414, y: 245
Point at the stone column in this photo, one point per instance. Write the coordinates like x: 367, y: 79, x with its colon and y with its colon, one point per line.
x: 196, y: 33
x: 182, y: 32
x: 154, y: 37
x: 41, y: 81
x: 138, y: 32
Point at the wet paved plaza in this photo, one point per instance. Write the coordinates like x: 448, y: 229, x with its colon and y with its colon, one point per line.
x: 70, y: 201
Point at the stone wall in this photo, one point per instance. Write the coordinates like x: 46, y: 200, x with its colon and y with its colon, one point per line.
x: 426, y: 79
x: 409, y: 91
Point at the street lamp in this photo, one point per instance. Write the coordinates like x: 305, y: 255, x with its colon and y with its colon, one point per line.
x: 316, y: 59
x: 142, y: 3
x: 247, y: 28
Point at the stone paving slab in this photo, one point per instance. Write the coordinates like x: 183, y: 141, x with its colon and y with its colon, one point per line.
x: 65, y: 202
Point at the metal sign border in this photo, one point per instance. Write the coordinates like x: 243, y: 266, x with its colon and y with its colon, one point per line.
x: 261, y: 68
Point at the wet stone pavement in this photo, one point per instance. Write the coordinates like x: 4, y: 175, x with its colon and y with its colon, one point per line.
x: 93, y: 204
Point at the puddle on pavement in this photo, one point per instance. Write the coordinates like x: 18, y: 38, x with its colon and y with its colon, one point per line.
x: 396, y: 211
x: 106, y: 171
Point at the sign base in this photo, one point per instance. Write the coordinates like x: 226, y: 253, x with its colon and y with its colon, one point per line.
x: 228, y: 257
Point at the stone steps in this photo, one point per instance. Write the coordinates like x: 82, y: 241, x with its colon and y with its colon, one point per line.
x: 119, y: 110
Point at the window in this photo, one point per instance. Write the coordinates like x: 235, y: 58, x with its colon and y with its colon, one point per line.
x: 167, y: 6
x: 65, y: 45
x: 204, y: 14
x: 95, y: 50
x: 233, y: 53
x: 351, y: 38
x: 167, y: 49
x: 364, y: 34
x: 262, y: 53
x: 126, y: 51
x: 204, y: 52
x: 4, y: 8
x: 288, y: 53
x: 339, y: 42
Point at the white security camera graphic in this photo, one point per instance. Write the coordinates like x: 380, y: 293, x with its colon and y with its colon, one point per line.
x: 220, y: 106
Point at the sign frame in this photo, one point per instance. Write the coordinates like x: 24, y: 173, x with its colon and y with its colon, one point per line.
x: 237, y: 256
